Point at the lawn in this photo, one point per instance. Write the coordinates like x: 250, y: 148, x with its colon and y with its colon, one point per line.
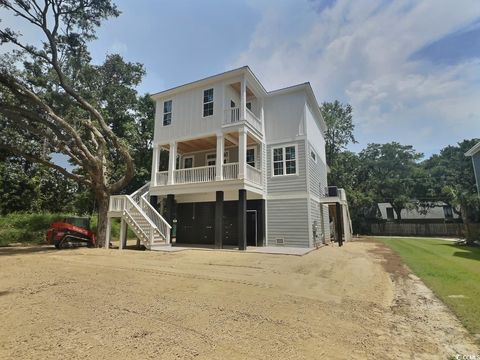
x: 451, y: 271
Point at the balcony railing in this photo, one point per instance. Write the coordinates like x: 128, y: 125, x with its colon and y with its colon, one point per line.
x: 254, y: 175
x: 195, y: 175
x: 232, y: 116
x: 230, y: 171
x: 162, y: 178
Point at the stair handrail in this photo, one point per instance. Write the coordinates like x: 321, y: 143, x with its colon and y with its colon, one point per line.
x: 137, y: 207
x: 138, y: 226
x: 159, y: 217
x: 139, y: 192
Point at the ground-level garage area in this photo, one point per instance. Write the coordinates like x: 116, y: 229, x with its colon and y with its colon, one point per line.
x: 357, y: 301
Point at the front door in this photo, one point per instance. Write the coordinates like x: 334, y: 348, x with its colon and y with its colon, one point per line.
x: 251, y: 227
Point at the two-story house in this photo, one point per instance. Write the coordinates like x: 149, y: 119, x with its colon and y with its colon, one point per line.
x: 233, y: 164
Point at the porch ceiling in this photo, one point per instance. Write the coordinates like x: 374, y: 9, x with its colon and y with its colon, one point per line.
x: 250, y: 94
x: 250, y: 139
x: 202, y: 144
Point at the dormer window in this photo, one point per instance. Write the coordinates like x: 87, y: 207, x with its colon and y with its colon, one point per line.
x: 167, y: 112
x: 207, y: 102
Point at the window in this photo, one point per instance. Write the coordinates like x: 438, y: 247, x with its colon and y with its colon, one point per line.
x: 285, y: 160
x: 390, y: 215
x: 211, y: 159
x: 207, y: 102
x: 249, y: 105
x: 188, y: 162
x: 232, y: 104
x: 251, y: 157
x: 167, y: 112
x: 313, y: 155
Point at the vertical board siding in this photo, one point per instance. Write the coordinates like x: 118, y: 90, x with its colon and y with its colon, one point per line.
x: 287, y: 183
x: 284, y: 114
x: 288, y: 219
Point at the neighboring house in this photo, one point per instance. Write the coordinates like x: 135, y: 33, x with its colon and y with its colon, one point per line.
x: 435, y: 213
x: 245, y: 167
x: 474, y: 152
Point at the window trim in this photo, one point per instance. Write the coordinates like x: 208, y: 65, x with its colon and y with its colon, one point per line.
x: 254, y: 147
x: 297, y: 160
x: 188, y: 157
x: 163, y: 112
x: 226, y: 157
x: 203, y: 103
x: 312, y: 151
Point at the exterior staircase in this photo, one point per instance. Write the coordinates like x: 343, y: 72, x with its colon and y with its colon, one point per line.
x: 147, y: 224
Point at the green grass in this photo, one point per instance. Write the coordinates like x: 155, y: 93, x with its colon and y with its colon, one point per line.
x: 447, y: 269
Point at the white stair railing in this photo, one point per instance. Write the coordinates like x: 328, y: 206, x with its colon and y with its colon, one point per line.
x: 146, y: 222
x: 162, y: 226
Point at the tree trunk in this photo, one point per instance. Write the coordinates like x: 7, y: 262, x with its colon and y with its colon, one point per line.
x: 103, y: 200
x: 398, y: 211
x: 470, y: 235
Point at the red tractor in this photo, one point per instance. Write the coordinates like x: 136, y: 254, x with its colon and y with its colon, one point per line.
x: 71, y: 232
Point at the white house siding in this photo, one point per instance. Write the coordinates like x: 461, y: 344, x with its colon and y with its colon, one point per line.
x: 288, y: 219
x: 314, y: 134
x: 284, y: 115
x: 187, y: 112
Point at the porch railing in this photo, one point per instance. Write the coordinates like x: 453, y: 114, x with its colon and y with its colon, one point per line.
x: 117, y: 203
x: 254, y: 175
x: 162, y: 178
x: 195, y: 175
x: 230, y: 171
x: 253, y: 120
x: 232, y: 116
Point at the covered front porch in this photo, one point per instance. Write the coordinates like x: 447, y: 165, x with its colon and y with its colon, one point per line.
x: 225, y: 156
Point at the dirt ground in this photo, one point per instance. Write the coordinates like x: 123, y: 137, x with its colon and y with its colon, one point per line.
x: 357, y: 301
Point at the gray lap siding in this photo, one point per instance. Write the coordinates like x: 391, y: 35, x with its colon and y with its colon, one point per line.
x: 288, y: 220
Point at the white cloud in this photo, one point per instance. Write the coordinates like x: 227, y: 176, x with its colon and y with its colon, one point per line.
x: 359, y: 51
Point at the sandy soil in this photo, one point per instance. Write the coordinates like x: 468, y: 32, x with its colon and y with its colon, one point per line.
x: 337, y: 303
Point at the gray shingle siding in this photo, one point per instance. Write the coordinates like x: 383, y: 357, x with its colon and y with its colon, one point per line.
x: 288, y: 219
x: 288, y: 183
x: 317, y: 175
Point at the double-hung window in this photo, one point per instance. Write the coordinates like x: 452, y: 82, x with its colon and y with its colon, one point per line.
x: 167, y: 112
x: 207, y: 102
x: 285, y: 160
x: 251, y: 157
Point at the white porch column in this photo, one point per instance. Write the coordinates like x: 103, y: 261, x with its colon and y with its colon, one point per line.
x: 219, y: 159
x: 155, y: 164
x: 262, y: 115
x: 172, y: 160
x: 108, y: 234
x: 123, y: 234
x: 243, y: 98
x: 242, y: 153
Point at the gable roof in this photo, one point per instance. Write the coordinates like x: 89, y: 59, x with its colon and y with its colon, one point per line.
x: 475, y: 149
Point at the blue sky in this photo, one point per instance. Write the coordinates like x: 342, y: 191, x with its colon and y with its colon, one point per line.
x: 409, y: 68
